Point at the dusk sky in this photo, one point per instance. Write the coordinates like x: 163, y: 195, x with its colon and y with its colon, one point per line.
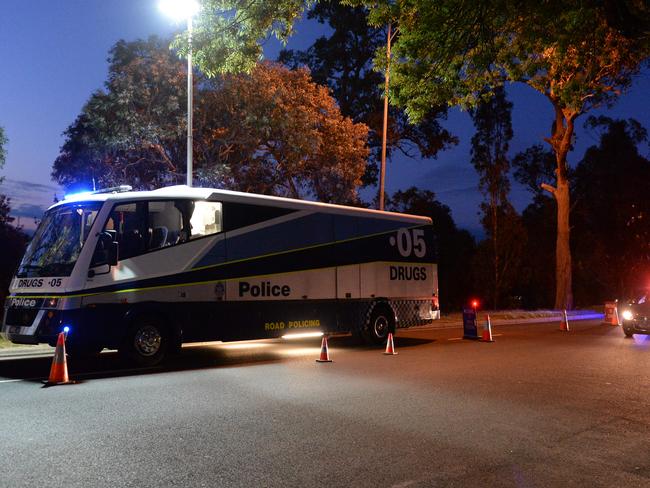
x: 54, y: 56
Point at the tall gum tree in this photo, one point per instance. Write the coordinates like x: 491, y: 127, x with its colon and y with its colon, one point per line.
x: 493, y: 122
x: 574, y: 53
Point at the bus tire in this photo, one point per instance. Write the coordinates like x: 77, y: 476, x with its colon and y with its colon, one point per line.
x: 380, y: 323
x: 146, y: 342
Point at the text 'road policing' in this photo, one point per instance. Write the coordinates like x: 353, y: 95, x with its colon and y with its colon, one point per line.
x: 291, y: 324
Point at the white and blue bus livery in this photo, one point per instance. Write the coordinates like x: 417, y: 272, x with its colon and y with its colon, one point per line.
x: 145, y: 271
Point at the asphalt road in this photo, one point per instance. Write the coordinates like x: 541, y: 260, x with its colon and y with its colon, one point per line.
x: 538, y: 407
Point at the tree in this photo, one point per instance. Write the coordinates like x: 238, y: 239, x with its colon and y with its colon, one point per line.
x: 228, y: 34
x: 270, y: 131
x: 532, y: 167
x: 133, y: 130
x: 612, y: 212
x: 537, y: 274
x: 508, y: 256
x: 3, y: 151
x: 343, y: 62
x: 280, y: 133
x: 13, y: 241
x: 489, y: 152
x: 454, y: 247
x: 570, y: 52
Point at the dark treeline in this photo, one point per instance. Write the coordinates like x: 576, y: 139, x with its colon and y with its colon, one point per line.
x: 12, y: 239
x: 610, y: 242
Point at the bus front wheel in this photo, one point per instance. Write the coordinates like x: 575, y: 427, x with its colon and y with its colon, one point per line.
x: 380, y: 323
x: 146, y: 342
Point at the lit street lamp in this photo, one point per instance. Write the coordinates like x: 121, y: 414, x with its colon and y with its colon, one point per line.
x: 181, y: 10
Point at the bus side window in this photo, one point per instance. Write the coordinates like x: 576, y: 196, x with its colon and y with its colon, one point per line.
x: 165, y: 224
x: 128, y: 222
x: 206, y: 219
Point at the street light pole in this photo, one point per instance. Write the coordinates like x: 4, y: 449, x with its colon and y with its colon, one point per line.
x: 190, y: 104
x: 178, y: 10
x: 382, y: 173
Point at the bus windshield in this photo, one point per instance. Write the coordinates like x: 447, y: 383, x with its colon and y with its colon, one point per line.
x: 55, y: 247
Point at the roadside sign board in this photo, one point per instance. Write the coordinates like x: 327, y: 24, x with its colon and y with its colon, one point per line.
x: 470, y: 329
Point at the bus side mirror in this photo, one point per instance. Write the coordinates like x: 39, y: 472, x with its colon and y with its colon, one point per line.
x: 107, y: 251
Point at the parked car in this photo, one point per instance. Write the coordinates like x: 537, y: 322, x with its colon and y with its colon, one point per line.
x: 635, y: 315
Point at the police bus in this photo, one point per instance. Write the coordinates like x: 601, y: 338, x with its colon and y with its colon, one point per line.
x: 145, y: 271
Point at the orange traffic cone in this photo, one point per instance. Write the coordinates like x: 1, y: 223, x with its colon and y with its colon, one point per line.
x: 564, y: 325
x: 59, y: 369
x: 611, y: 313
x: 390, y: 347
x: 324, y: 352
x: 487, y: 330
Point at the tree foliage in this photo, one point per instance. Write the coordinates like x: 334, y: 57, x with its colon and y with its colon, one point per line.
x: 13, y: 245
x: 568, y: 51
x: 344, y: 62
x: 457, y: 52
x: 285, y: 135
x: 228, y: 35
x: 132, y: 130
x: 3, y: 151
x: 533, y: 167
x: 270, y: 131
x: 490, y: 144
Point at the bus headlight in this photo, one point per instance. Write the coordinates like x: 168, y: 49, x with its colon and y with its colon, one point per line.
x: 628, y: 315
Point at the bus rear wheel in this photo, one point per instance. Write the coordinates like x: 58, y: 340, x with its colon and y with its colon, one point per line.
x: 380, y: 323
x: 146, y: 342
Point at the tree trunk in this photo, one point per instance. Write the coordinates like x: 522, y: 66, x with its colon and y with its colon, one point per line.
x: 562, y: 134
x: 563, y: 290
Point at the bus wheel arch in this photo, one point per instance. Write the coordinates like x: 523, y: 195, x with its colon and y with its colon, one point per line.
x: 381, y: 320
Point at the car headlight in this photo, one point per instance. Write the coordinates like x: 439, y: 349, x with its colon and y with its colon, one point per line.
x: 628, y: 315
